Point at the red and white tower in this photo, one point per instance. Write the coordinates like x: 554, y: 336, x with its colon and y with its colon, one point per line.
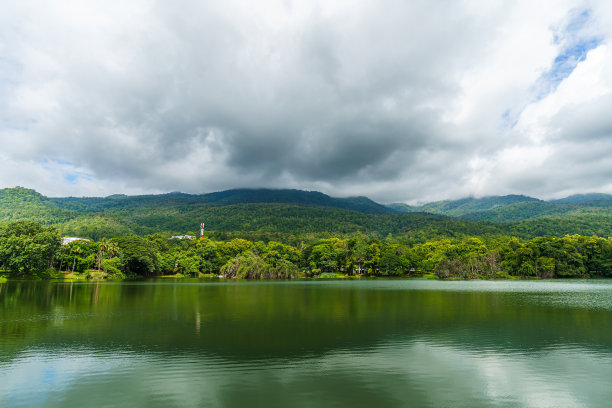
x: 202, y: 230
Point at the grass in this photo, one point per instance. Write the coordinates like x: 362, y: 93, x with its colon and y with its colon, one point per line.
x: 181, y: 276
x: 72, y: 276
x: 332, y: 275
x: 52, y: 274
x: 177, y: 276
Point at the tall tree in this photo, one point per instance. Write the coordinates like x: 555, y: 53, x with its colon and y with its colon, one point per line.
x: 27, y: 247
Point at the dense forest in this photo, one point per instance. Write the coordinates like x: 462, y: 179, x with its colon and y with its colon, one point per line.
x: 28, y: 249
x: 289, y: 216
x: 516, y: 208
x: 292, y: 233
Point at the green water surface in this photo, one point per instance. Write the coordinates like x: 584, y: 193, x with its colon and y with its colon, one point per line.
x: 371, y: 343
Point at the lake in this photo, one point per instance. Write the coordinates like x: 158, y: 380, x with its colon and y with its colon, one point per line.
x: 365, y: 343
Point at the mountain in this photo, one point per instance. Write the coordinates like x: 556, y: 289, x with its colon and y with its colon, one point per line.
x: 517, y: 212
x: 294, y: 214
x: 257, y: 214
x: 583, y: 198
x: 586, y: 214
x: 20, y: 202
x: 228, y: 197
x: 313, y: 198
x: 458, y: 208
x: 514, y: 208
x: 401, y: 207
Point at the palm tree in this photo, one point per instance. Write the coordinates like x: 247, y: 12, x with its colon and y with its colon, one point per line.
x: 103, y: 246
x: 106, y: 246
x: 77, y: 250
x: 62, y: 253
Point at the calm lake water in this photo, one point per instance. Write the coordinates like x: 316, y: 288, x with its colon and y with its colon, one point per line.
x: 372, y: 343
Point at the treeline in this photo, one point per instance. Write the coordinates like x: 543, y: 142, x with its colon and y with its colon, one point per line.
x: 292, y: 217
x: 28, y: 248
x: 272, y: 218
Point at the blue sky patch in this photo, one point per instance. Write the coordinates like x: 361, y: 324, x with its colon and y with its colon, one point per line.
x: 575, y: 41
x: 59, y: 161
x: 67, y: 168
x: 71, y: 178
x: 509, y: 119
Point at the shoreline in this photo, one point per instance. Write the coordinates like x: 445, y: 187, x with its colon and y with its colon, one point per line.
x: 77, y: 277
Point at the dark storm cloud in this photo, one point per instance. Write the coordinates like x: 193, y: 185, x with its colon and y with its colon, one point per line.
x: 398, y: 101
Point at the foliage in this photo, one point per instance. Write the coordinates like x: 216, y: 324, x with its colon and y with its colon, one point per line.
x: 304, y: 233
x: 26, y: 247
x: 293, y: 216
x: 466, y: 206
x: 112, y: 266
x: 77, y: 256
x: 137, y: 256
x: 251, y: 266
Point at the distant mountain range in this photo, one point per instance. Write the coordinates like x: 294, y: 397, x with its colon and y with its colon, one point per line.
x: 457, y: 208
x: 228, y: 197
x: 513, y: 208
x: 265, y: 213
x: 283, y: 213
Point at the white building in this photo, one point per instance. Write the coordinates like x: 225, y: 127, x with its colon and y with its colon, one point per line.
x: 67, y: 240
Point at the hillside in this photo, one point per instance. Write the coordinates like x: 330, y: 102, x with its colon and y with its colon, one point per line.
x: 582, y: 198
x: 268, y: 221
x: 586, y: 214
x: 287, y: 214
x: 230, y: 197
x: 268, y: 214
x: 541, y: 209
x: 517, y: 208
x: 18, y: 202
x: 458, y: 208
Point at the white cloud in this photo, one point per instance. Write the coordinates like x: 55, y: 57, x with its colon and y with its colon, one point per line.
x: 398, y: 101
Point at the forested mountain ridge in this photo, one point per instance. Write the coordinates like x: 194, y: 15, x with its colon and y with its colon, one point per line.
x: 517, y: 208
x: 463, y: 206
x: 582, y: 198
x: 18, y: 203
x: 236, y: 212
x: 222, y: 198
x: 288, y: 214
x: 535, y: 210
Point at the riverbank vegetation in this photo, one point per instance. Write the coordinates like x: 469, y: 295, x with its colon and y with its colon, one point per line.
x: 30, y: 250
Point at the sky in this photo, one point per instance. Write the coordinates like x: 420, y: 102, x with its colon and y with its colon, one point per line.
x: 401, y: 101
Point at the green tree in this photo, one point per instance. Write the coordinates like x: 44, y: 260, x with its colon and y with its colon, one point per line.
x: 107, y: 247
x: 76, y: 250
x: 138, y: 256
x: 27, y: 247
x: 246, y: 266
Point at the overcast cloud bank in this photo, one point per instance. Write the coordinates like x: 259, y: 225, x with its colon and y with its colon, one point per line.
x: 399, y: 101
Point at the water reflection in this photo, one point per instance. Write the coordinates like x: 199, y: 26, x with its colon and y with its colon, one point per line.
x: 418, y: 372
x: 381, y: 343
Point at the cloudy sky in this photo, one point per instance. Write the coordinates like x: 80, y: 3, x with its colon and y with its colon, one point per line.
x: 397, y: 100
